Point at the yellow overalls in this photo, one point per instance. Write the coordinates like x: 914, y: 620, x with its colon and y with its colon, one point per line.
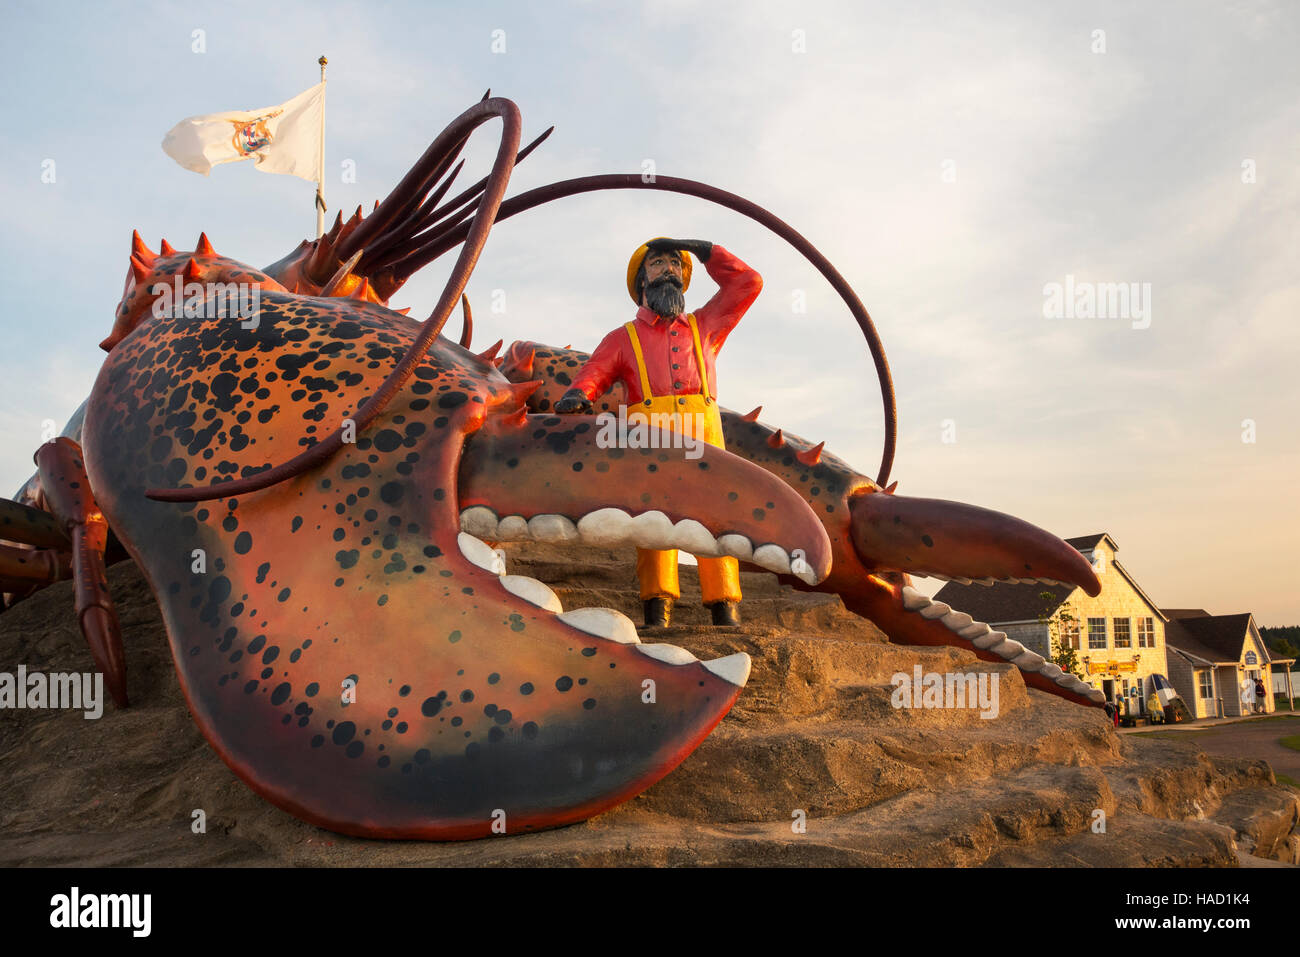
x: 657, y: 570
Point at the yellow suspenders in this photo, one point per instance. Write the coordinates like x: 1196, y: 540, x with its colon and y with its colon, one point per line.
x: 640, y: 358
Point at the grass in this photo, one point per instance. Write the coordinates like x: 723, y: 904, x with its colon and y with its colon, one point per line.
x: 1291, y: 741
x: 1286, y: 779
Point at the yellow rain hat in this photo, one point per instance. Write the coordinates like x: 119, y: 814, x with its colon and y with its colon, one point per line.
x: 634, y: 266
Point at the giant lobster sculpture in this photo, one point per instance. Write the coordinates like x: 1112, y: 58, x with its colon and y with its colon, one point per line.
x: 308, y: 496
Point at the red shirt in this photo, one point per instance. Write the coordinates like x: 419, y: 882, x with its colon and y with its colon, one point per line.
x: 666, y: 343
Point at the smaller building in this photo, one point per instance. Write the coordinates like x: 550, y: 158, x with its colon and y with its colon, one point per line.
x: 1216, y: 660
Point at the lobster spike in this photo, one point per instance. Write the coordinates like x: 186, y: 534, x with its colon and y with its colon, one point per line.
x: 338, y: 224
x: 892, y: 485
x: 569, y: 346
x: 467, y: 322
x: 203, y: 247
x: 405, y: 312
x: 139, y: 270
x: 193, y: 271
x: 165, y: 249
x: 331, y: 288
x: 361, y: 290
x: 490, y: 353
x: 776, y: 439
x: 522, y: 390
x: 518, y: 417
x: 140, y: 250
x: 496, y: 363
x: 752, y: 416
x: 526, y: 364
x: 356, y: 218
x: 811, y: 456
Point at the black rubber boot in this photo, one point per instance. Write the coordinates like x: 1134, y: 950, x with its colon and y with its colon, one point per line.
x: 658, y: 612
x: 725, y: 612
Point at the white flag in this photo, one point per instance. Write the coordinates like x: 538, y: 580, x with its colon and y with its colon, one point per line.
x: 280, y: 139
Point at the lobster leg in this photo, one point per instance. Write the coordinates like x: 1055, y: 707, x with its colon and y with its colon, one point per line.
x: 45, y: 560
x: 67, y: 489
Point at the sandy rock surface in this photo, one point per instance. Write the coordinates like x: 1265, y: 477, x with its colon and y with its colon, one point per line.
x: 813, y: 766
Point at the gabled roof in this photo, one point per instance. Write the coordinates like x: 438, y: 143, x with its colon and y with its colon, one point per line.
x: 1223, y: 635
x: 1086, y: 543
x: 1002, y: 602
x: 1185, y: 612
x: 1179, y: 639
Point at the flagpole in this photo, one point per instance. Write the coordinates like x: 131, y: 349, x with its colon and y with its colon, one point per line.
x: 320, y: 167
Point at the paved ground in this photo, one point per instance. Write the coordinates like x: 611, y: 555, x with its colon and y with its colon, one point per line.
x: 1243, y: 738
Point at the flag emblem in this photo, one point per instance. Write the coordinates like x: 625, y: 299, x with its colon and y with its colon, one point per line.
x: 251, y: 135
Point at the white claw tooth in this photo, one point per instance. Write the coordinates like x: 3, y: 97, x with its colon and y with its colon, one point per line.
x: 942, y: 578
x: 733, y: 668
x: 1029, y: 661
x: 1096, y: 695
x: 480, y: 554
x: 605, y: 526
x: 936, y: 609
x: 531, y: 590
x: 603, y: 623
x: 1050, y: 670
x: 691, y: 536
x: 989, y: 640
x: 670, y: 654
x: 738, y: 546
x: 957, y: 620
x: 652, y: 530
x: 913, y: 600
x: 960, y: 580
x: 986, y: 582
x: 513, y: 528
x: 480, y: 521
x: 1008, y: 649
x: 773, y: 558
x: 803, y: 570
x: 554, y: 528
x: 976, y: 629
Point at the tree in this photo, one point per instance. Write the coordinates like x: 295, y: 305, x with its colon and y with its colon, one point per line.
x: 1060, y: 624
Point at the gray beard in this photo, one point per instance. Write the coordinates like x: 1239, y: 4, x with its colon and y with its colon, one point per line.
x: 665, y: 298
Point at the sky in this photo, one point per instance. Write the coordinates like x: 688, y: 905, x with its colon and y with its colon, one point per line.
x: 953, y: 160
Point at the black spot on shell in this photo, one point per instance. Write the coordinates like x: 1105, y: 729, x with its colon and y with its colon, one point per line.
x: 344, y: 732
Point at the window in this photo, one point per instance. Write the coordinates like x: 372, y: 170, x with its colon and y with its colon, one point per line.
x: 1096, y: 633
x: 1070, y: 632
x: 1206, y: 685
x: 1122, y: 637
x: 1146, y: 632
